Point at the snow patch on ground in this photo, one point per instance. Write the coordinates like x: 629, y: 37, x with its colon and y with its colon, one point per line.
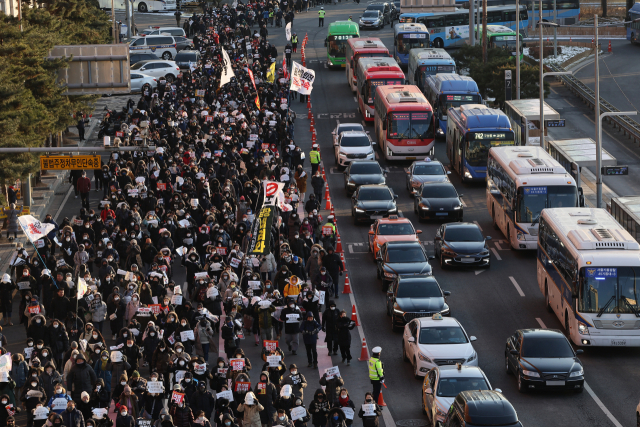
x: 567, y: 53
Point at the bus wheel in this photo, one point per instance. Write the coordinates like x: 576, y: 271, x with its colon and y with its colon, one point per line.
x: 438, y: 43
x: 547, y: 299
x: 142, y: 7
x: 493, y: 217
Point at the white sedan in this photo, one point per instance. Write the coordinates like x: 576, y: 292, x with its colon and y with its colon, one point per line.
x: 157, y: 68
x: 138, y: 80
x: 428, y: 342
x: 353, y: 145
x: 343, y: 127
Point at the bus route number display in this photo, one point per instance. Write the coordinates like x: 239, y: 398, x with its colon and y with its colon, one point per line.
x: 487, y: 135
x: 463, y: 98
x: 415, y: 36
x: 339, y: 37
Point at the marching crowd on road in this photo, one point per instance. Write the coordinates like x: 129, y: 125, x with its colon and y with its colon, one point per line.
x: 109, y: 328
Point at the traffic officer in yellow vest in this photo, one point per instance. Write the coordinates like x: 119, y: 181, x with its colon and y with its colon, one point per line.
x: 294, y: 42
x: 314, y: 158
x: 376, y: 372
x: 321, y: 13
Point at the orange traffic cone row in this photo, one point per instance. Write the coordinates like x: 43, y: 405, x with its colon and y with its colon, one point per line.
x: 326, y: 192
x: 347, y: 285
x: 310, y: 115
x: 314, y: 136
x: 381, y: 400
x: 339, y: 245
x: 328, y: 205
x: 311, y: 125
x: 354, y: 315
x: 364, y: 353
x: 308, y: 102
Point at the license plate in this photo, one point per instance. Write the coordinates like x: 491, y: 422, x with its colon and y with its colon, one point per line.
x: 376, y: 216
x: 442, y: 213
x: 555, y: 383
x: 619, y: 343
x: 343, y: 65
x: 467, y: 260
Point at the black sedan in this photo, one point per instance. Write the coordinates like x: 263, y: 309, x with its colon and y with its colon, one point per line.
x: 410, y: 297
x: 461, y: 244
x: 371, y: 202
x: 543, y: 359
x: 401, y: 258
x: 185, y: 58
x: 363, y: 172
x: 438, y: 201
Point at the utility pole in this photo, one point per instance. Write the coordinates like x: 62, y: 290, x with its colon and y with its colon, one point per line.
x: 597, y: 111
x: 113, y: 22
x: 484, y: 31
x: 472, y: 31
x: 555, y: 30
x: 603, y: 4
x: 132, y: 28
x: 127, y: 11
x: 517, y: 49
x: 541, y: 65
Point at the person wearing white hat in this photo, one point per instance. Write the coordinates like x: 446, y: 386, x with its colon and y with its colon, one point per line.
x: 376, y: 372
x: 314, y: 158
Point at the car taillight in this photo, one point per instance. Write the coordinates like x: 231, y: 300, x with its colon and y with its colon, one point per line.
x: 154, y: 80
x: 178, y: 68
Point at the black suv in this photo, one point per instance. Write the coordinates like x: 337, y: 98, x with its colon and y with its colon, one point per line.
x: 481, y: 408
x: 384, y: 8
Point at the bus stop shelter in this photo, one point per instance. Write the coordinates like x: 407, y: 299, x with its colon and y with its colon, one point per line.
x: 581, y: 151
x: 524, y: 115
x: 626, y: 210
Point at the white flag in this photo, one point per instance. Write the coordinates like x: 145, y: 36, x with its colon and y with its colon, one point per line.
x: 302, y: 79
x: 227, y: 72
x: 288, y: 31
x: 274, y: 196
x: 33, y: 228
x: 82, y: 287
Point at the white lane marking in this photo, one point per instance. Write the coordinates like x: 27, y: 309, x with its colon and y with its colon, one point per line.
x: 518, y: 288
x: 355, y: 99
x: 592, y: 393
x: 350, y: 249
x: 64, y: 202
x: 475, y: 222
x: 496, y: 254
x: 499, y: 247
x: 479, y: 271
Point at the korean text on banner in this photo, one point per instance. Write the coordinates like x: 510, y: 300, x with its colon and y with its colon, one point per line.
x: 227, y: 72
x: 302, y: 79
x: 33, y: 228
x: 261, y: 241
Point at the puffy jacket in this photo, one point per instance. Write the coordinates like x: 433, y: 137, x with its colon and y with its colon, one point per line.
x: 310, y: 331
x: 332, y: 387
x: 200, y: 401
x: 99, y: 314
x: 53, y: 397
x: 297, y: 382
x: 293, y: 327
x: 49, y: 381
x: 251, y: 414
x: 319, y: 410
x: 105, y: 373
x: 265, y: 320
x: 80, y: 378
x: 73, y: 418
x: 19, y: 373
x: 370, y: 421
x: 267, y: 395
x: 182, y: 416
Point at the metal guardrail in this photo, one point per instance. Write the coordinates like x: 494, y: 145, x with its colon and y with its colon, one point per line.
x: 624, y: 123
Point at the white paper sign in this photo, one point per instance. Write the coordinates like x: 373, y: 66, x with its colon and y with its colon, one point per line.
x: 321, y: 295
x: 212, y: 292
x: 41, y: 413
x: 254, y: 284
x: 186, y: 335
x: 200, y: 369
x: 369, y: 409
x: 116, y: 356
x: 176, y: 300
x: 235, y: 262
x: 100, y: 413
x: 332, y: 372
x: 59, y: 404
x: 27, y: 352
x: 227, y: 394
x: 292, y: 318
x: 348, y: 412
x: 298, y: 413
x: 155, y: 387
x: 274, y: 361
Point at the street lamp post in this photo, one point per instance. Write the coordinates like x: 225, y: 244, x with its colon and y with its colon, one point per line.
x: 599, y: 151
x: 517, y: 49
x: 543, y: 75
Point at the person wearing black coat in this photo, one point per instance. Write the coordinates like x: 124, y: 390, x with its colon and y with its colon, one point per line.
x: 309, y: 329
x: 370, y: 420
x: 319, y: 408
x: 202, y: 400
x: 125, y: 419
x: 302, y: 422
x: 344, y: 336
x: 59, y: 341
x: 334, y: 266
x: 38, y: 329
x: 332, y: 387
x: 267, y: 394
x: 330, y: 327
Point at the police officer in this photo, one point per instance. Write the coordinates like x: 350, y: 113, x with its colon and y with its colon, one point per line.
x: 376, y: 372
x: 321, y: 13
x: 314, y: 158
x: 294, y: 42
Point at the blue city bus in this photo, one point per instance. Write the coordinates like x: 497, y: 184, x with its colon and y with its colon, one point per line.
x: 407, y: 37
x: 567, y: 11
x: 633, y: 28
x: 472, y: 130
x: 445, y: 91
x: 428, y: 62
x: 451, y: 29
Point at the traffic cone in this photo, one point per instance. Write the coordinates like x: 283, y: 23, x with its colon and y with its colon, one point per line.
x: 354, y: 315
x: 381, y: 400
x: 310, y: 115
x: 364, y: 353
x: 308, y: 101
x: 314, y: 136
x: 347, y: 285
x: 335, y: 220
x: 328, y: 205
x: 609, y: 46
x: 311, y: 125
x: 339, y: 245
x: 326, y: 192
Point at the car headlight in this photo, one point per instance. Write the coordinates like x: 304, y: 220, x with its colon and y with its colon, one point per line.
x: 424, y: 357
x: 396, y: 309
x: 393, y: 210
x: 519, y: 235
x: 473, y: 357
x: 485, y: 252
x: 351, y: 183
x: 423, y: 207
x: 445, y: 310
x: 579, y: 373
x: 583, y: 329
x: 370, y: 152
x: 467, y: 174
x: 530, y: 373
x: 388, y: 275
x: 457, y: 208
x: 359, y: 210
x: 415, y: 183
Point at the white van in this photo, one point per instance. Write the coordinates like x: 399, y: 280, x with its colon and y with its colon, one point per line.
x: 163, y: 46
x: 155, y: 31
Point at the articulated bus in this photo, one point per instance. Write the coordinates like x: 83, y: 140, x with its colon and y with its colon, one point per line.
x: 371, y: 73
x: 588, y: 270
x: 471, y: 131
x: 567, y: 11
x: 140, y: 5
x: 336, y: 42
x: 444, y: 91
x: 521, y: 182
x: 633, y: 28
x: 404, y: 123
x: 407, y: 37
x: 362, y: 47
x: 428, y: 62
x: 451, y: 29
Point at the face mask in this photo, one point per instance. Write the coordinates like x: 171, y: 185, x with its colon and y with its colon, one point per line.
x: 153, y: 334
x: 281, y: 418
x: 124, y: 414
x: 181, y: 363
x: 4, y: 402
x: 335, y: 417
x: 332, y: 308
x: 58, y: 391
x: 68, y: 239
x: 95, y: 336
x: 227, y: 423
x: 45, y: 354
x: 129, y: 345
x: 55, y: 326
x: 105, y: 357
x: 162, y: 349
x: 25, y: 273
x: 179, y: 350
x: 34, y: 384
x: 39, y: 345
x: 291, y: 305
x: 98, y: 387
x: 343, y: 395
x: 134, y: 299
x: 123, y: 382
x: 109, y: 246
x: 125, y: 335
x: 116, y: 298
x: 369, y: 399
x: 183, y: 324
x: 294, y: 372
x: 186, y: 379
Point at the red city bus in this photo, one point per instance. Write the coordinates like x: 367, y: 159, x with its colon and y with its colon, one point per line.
x: 362, y: 47
x: 373, y: 72
x: 404, y: 122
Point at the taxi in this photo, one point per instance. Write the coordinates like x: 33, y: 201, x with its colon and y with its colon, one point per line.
x: 391, y: 229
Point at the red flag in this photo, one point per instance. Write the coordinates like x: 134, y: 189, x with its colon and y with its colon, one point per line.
x: 257, y: 102
x: 254, y: 83
x: 284, y: 67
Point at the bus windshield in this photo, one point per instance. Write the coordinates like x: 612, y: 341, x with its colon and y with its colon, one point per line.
x: 337, y: 45
x: 455, y: 101
x: 370, y: 87
x: 406, y: 42
x: 479, y: 143
x: 531, y: 200
x: 505, y: 43
x: 615, y: 288
x: 411, y: 125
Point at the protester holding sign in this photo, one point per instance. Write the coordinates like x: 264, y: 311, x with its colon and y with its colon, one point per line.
x: 296, y: 380
x: 319, y: 408
x: 291, y: 316
x: 345, y: 402
x: 251, y: 409
x: 369, y: 417
x: 32, y: 395
x: 310, y: 329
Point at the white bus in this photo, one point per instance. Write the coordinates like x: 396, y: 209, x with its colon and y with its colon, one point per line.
x: 140, y: 5
x: 521, y: 182
x: 589, y: 272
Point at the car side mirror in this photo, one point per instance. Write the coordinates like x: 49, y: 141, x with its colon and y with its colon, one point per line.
x: 447, y: 293
x: 395, y: 196
x: 418, y: 231
x: 448, y: 172
x: 428, y: 391
x: 514, y: 352
x: 142, y: 69
x: 488, y: 237
x: 498, y: 390
x: 411, y: 339
x: 579, y: 351
x: 472, y: 338
x: 371, y: 232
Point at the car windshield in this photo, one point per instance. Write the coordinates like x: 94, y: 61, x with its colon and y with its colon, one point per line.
x: 395, y: 229
x: 406, y: 254
x: 451, y: 387
x: 439, y: 191
x: 365, y: 169
x: 374, y: 194
x: 443, y: 335
x: 463, y: 234
x: 370, y: 14
x: 345, y: 128
x: 434, y: 169
x: 355, y: 141
x: 418, y: 289
x: 545, y: 347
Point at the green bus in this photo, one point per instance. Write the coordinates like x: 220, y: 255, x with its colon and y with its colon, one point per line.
x: 502, y: 37
x: 336, y: 41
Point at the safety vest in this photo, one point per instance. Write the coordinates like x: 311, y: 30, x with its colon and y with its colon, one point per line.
x: 375, y: 369
x: 271, y: 14
x: 314, y: 157
x: 321, y: 13
x: 294, y: 39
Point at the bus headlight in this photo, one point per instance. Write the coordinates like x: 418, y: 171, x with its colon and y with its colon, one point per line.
x: 583, y: 329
